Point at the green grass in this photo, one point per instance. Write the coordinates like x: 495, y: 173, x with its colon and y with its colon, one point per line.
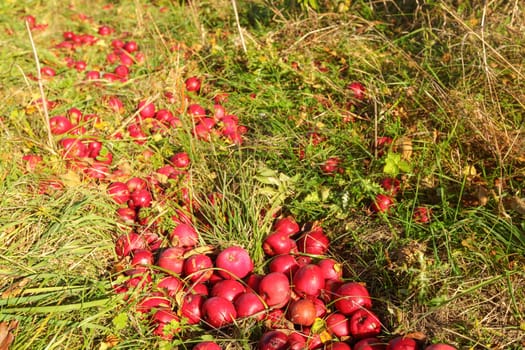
x: 433, y: 76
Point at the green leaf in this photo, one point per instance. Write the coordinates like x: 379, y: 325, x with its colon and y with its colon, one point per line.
x: 268, y: 180
x: 390, y: 169
x: 318, y: 326
x: 313, y: 4
x: 438, y: 300
x: 325, y: 193
x: 120, y: 321
x: 207, y: 337
x: 394, y: 164
x: 312, y: 197
x: 404, y: 166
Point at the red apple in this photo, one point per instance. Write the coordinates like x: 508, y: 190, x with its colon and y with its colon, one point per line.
x: 234, y: 262
x: 253, y: 280
x: 198, y: 267
x: 119, y: 192
x: 218, y: 112
x: 191, y: 307
x: 181, y: 160
x: 364, y: 323
x: 313, y: 242
x: 350, y: 297
x: 92, y: 75
x: 218, y: 312
x: 382, y: 203
x: 94, y: 148
x: 274, y: 289
x: 32, y: 161
x: 105, y: 30
x: 128, y: 243
x: 140, y: 199
x: 279, y: 243
x: 136, y: 183
x: 47, y: 72
x: 227, y: 289
x: 358, y: 90
x: 172, y: 259
x: 122, y: 71
x: 337, y: 324
x: 391, y: 185
x: 320, y: 306
x: 402, y: 343
x: 296, y: 341
x: 197, y: 111
x: 149, y: 303
x: 146, y: 109
x: 130, y: 46
x: 171, y: 285
x: 273, y: 340
x: 73, y: 148
x: 249, y: 304
x: 313, y: 340
x: 285, y: 263
x: 163, y: 115
x: 193, y: 84
x: 440, y: 346
x: 162, y: 318
x: 370, y: 344
x: 422, y: 215
x: 338, y: 345
x: 332, y: 270
x: 331, y: 166
x: 140, y: 262
x: 207, y: 345
x: 184, y: 235
x: 286, y: 225
x: 59, y: 125
x: 125, y: 59
x: 302, y: 312
x: 308, y: 280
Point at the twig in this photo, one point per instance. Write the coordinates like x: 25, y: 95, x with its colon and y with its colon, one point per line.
x: 41, y: 88
x: 487, y: 45
x: 234, y: 4
x: 332, y: 27
x: 375, y: 128
x: 126, y: 122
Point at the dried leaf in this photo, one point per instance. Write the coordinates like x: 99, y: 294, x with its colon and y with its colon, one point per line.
x: 516, y: 204
x: 71, y: 179
x: 404, y: 146
x: 469, y: 171
x: 204, y: 249
x: 15, y: 289
x: 417, y: 336
x: 482, y: 194
x: 6, y: 334
x: 325, y: 336
x: 110, y: 341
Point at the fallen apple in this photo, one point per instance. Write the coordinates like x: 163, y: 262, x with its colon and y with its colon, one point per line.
x: 218, y: 312
x: 234, y: 262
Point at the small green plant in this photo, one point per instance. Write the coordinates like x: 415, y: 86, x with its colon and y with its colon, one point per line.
x: 395, y: 164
